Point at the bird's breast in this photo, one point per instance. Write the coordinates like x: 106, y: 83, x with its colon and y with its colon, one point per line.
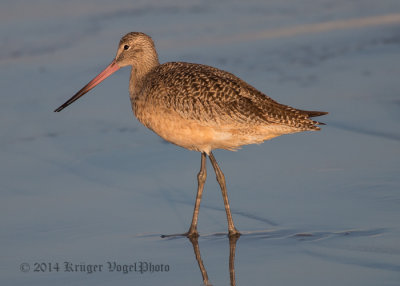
x: 196, y: 135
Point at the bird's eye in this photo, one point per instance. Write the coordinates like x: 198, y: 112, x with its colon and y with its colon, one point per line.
x: 126, y: 47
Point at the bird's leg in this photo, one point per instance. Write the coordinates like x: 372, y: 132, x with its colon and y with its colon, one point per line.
x: 221, y: 180
x: 201, y: 179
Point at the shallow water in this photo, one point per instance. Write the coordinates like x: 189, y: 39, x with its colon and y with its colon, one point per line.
x: 91, y: 185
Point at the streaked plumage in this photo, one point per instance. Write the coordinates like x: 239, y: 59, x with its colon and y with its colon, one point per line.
x: 200, y: 108
x: 225, y: 111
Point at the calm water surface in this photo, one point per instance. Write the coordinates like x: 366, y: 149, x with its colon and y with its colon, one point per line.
x: 91, y: 186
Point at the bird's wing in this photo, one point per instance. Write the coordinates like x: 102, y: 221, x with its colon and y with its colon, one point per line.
x: 216, y: 97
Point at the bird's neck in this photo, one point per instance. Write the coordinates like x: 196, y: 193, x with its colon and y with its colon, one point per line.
x: 139, y: 73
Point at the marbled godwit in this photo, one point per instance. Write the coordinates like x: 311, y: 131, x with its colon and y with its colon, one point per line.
x: 199, y: 108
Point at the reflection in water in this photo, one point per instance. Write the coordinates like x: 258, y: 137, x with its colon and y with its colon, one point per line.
x: 196, y: 249
x: 341, y: 251
x: 232, y: 250
x: 284, y: 234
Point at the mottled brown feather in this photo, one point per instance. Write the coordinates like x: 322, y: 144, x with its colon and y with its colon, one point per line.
x: 213, y: 96
x: 200, y: 107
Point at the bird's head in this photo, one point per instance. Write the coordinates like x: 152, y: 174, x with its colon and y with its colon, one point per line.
x: 135, y: 49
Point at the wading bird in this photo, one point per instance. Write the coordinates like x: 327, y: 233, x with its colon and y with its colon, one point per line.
x: 199, y: 108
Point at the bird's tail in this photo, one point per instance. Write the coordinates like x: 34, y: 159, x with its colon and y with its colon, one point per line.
x: 315, y: 114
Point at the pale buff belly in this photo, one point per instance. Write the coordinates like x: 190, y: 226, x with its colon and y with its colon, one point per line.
x: 193, y: 135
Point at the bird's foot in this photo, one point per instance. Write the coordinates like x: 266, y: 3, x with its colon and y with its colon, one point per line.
x: 192, y: 233
x: 234, y: 233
